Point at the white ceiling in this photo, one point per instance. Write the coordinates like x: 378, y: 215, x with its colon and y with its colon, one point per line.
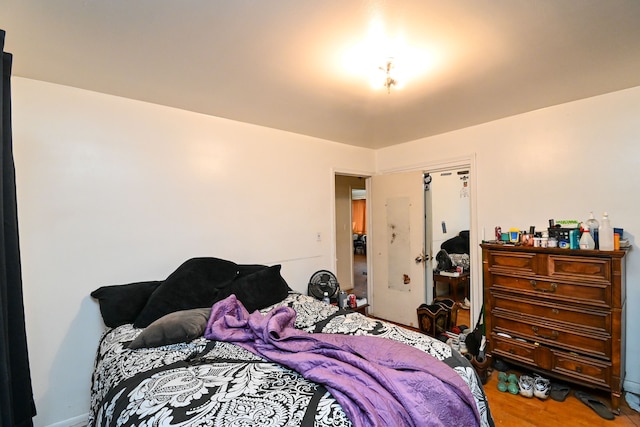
x: 280, y: 63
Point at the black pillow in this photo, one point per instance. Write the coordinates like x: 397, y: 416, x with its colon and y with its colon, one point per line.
x: 244, y: 269
x: 258, y: 290
x: 196, y: 283
x: 176, y: 327
x: 120, y: 304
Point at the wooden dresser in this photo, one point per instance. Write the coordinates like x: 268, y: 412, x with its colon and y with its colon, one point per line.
x: 558, y: 312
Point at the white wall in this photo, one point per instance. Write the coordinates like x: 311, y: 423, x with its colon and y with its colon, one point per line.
x: 559, y: 162
x: 112, y: 190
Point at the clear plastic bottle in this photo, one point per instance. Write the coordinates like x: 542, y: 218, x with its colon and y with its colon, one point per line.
x: 326, y: 299
x: 592, y: 225
x: 605, y: 234
x: 586, y: 241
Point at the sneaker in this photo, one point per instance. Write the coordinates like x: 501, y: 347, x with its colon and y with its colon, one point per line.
x: 513, y: 388
x: 526, y: 384
x: 466, y: 305
x: 541, y: 387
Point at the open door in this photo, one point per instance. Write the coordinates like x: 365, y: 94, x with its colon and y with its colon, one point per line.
x: 397, y: 219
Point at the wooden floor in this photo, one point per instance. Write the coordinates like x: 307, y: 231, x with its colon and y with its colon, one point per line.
x: 515, y: 410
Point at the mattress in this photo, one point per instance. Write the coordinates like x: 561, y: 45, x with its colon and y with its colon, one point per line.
x: 216, y: 383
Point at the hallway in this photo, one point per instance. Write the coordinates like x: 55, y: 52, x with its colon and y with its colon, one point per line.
x: 360, y: 275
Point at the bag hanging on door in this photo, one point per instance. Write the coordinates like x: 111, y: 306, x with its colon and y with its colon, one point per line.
x: 474, y: 339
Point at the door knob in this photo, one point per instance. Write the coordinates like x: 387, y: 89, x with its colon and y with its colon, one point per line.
x: 422, y: 258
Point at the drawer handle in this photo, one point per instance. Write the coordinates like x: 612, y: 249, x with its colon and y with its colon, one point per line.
x: 552, y: 288
x: 553, y: 336
x: 579, y: 369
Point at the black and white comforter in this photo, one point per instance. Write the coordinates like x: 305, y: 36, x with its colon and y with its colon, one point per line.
x: 212, y: 383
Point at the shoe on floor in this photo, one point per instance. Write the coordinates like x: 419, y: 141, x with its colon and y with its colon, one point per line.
x: 526, y: 384
x: 541, y: 387
x: 499, y: 365
x: 595, y: 404
x: 513, y: 388
x: 559, y: 392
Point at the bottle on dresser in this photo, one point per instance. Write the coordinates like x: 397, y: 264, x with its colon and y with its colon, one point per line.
x: 586, y: 241
x: 605, y: 234
x: 592, y: 225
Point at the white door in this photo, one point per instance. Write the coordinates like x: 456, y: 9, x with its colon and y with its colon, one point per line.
x: 397, y: 219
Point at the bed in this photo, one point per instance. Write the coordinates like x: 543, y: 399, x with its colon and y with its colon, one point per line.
x: 161, y: 369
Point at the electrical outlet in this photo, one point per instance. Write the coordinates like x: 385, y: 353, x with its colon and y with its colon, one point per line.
x: 318, y: 237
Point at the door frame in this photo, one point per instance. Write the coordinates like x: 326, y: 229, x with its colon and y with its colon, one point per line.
x: 475, y: 255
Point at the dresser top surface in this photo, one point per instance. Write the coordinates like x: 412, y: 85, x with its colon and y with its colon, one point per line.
x: 555, y: 251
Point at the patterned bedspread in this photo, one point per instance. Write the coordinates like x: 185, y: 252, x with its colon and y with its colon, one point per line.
x: 220, y: 384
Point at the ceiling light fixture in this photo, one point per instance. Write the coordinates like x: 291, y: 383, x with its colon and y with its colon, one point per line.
x: 388, y: 78
x: 386, y: 62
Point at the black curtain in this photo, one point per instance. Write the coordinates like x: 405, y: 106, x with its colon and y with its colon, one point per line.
x: 17, y: 407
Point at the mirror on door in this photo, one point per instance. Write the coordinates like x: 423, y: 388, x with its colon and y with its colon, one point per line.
x: 449, y: 225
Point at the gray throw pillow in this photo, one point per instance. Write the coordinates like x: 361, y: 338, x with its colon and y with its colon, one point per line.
x: 176, y: 327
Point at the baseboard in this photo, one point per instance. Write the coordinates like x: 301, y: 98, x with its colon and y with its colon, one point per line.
x: 79, y: 421
x: 632, y: 386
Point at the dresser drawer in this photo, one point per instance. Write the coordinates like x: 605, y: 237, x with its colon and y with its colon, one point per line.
x: 592, y: 371
x: 522, y: 263
x: 571, y: 315
x: 528, y: 328
x: 579, y: 268
x: 513, y: 349
x: 579, y: 368
x: 596, y: 294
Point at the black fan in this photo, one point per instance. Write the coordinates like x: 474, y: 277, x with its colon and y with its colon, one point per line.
x: 323, y: 281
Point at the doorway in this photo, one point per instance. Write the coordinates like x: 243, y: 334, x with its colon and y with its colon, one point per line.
x: 359, y: 229
x: 351, y: 234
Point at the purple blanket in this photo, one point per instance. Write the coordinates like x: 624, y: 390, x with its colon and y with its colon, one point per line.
x: 378, y: 382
